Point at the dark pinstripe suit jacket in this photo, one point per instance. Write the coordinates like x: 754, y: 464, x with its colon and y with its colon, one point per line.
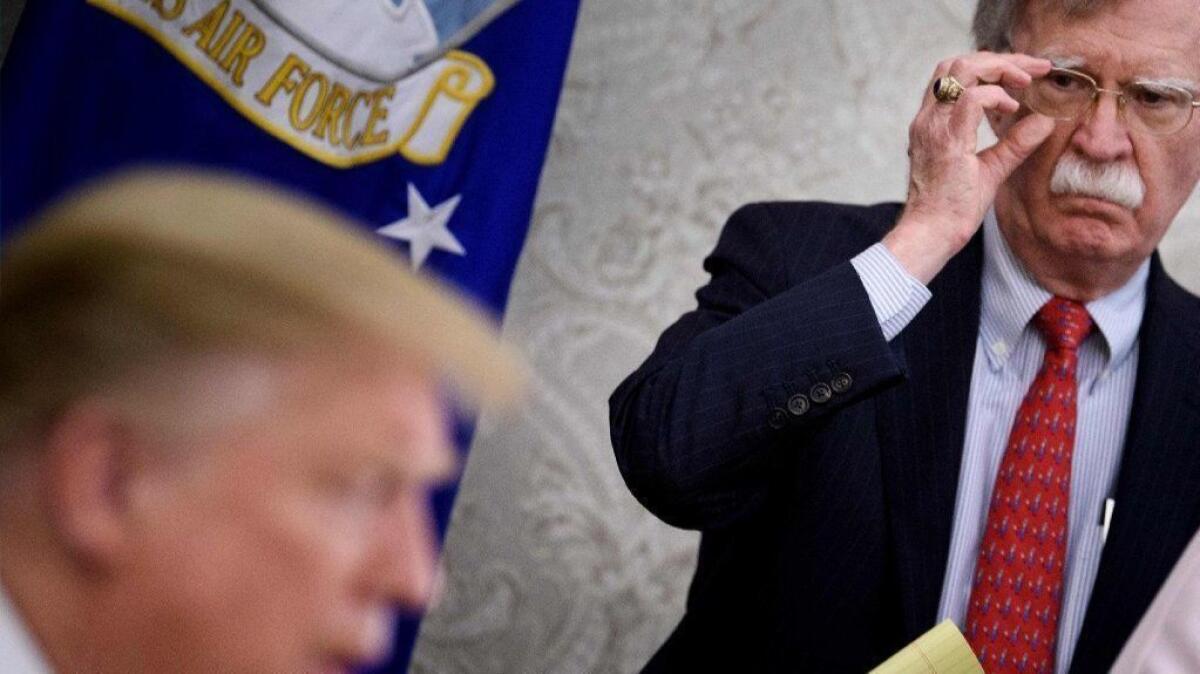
x: 826, y: 530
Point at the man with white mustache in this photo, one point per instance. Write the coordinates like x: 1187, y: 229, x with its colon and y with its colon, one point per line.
x: 1119, y: 183
x: 979, y: 405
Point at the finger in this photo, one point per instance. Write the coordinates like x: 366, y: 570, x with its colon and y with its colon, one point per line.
x: 967, y: 113
x: 1022, y: 138
x: 1034, y: 65
x: 1014, y: 71
x: 1003, y: 69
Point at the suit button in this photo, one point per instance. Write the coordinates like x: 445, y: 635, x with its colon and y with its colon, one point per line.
x: 841, y: 382
x: 798, y: 404
x: 779, y: 418
x: 821, y: 393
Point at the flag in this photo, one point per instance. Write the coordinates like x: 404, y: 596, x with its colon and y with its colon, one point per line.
x: 428, y: 121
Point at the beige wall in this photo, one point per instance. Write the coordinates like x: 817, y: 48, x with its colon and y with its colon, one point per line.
x: 674, y: 113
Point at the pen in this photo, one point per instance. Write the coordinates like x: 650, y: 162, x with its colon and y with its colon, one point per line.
x: 1106, y: 517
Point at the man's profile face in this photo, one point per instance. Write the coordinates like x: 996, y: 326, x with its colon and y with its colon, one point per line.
x: 284, y: 543
x: 1132, y: 40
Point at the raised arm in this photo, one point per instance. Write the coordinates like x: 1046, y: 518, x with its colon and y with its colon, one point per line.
x: 783, y: 337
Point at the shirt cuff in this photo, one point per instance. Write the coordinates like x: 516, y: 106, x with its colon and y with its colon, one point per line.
x: 895, y: 295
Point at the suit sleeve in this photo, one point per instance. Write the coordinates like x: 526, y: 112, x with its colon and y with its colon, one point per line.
x: 739, y: 384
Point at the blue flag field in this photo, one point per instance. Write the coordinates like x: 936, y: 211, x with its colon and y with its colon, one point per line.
x: 428, y: 121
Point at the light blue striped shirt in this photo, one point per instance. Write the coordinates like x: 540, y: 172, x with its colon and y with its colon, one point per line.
x: 1008, y: 354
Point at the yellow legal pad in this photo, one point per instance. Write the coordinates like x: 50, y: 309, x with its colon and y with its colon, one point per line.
x: 941, y: 650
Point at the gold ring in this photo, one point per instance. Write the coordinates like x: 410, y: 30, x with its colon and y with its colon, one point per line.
x: 946, y: 89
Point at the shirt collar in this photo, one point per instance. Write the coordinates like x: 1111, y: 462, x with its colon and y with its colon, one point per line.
x: 18, y: 650
x: 1011, y: 297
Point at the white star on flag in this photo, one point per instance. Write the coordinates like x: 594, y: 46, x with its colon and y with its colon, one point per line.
x: 424, y: 228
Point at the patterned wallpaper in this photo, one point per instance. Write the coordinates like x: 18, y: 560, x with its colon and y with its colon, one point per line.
x: 674, y: 113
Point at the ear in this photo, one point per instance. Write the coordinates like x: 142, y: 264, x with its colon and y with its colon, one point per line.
x: 88, y: 467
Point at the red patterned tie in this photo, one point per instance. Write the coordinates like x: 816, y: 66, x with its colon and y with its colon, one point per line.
x: 1012, y: 616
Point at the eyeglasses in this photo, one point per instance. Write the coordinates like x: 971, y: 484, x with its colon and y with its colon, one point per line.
x: 1156, y: 108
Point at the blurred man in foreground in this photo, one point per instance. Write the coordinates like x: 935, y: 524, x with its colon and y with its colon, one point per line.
x: 220, y: 413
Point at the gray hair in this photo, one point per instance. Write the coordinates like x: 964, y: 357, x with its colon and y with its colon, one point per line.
x: 995, y: 19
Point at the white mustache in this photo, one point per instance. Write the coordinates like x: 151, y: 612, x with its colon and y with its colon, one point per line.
x: 1118, y: 182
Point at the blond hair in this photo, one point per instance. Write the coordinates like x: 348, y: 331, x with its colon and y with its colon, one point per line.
x: 158, y: 262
